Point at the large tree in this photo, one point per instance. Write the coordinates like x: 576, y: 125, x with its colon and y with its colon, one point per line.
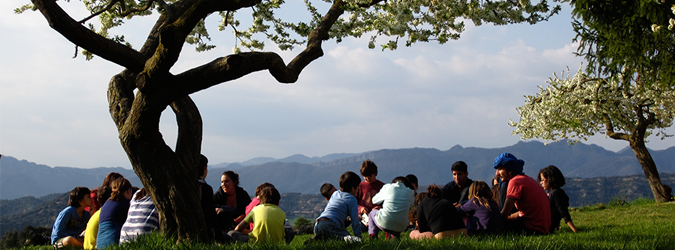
x: 580, y: 106
x: 138, y: 95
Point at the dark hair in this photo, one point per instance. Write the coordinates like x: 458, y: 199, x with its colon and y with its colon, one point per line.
x: 76, y: 195
x: 261, y: 187
x: 119, y: 186
x: 553, y: 175
x: 270, y: 195
x: 325, y: 189
x: 368, y: 168
x: 140, y: 194
x: 102, y: 194
x: 233, y: 176
x: 403, y: 180
x: 413, y: 179
x: 434, y: 191
x: 203, y: 162
x: 348, y: 181
x: 412, y: 214
x: 459, y: 166
x: 111, y: 177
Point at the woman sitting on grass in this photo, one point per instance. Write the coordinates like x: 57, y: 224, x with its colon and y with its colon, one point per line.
x: 439, y: 216
x: 142, y: 217
x: 483, y: 211
x: 113, y: 214
x: 412, y: 216
x: 551, y: 179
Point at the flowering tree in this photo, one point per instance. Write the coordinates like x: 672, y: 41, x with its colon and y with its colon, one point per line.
x: 138, y: 95
x: 577, y: 107
x: 630, y: 36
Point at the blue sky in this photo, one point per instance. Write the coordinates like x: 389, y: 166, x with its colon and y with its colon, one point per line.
x: 53, y: 108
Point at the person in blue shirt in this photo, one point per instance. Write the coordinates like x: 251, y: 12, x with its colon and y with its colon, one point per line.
x: 342, y: 203
x: 72, y: 221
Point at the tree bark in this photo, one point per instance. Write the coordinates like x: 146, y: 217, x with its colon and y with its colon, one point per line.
x: 637, y: 143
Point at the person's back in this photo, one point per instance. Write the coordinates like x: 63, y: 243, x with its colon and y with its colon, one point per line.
x: 142, y: 217
x: 113, y: 214
x: 396, y: 200
x: 342, y: 203
x: 531, y: 201
x: 439, y: 216
x: 267, y: 218
x: 484, y: 213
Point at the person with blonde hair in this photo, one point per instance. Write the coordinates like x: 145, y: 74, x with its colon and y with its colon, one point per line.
x: 483, y: 211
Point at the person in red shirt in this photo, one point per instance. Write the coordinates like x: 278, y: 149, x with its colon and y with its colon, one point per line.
x: 523, y: 192
x: 368, y: 188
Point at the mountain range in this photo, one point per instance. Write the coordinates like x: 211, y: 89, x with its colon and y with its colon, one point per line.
x: 302, y: 174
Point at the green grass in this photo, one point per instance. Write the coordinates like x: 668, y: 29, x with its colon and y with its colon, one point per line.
x: 641, y: 224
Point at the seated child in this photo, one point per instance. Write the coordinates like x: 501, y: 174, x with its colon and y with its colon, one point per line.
x: 113, y: 214
x: 243, y: 234
x: 268, y: 219
x: 484, y: 213
x: 342, y: 203
x: 412, y: 216
x: 72, y: 220
x: 413, y: 180
x: 102, y: 195
x: 327, y: 190
x: 367, y: 189
x: 142, y: 217
x: 551, y: 179
x: 439, y: 216
x: 396, y: 198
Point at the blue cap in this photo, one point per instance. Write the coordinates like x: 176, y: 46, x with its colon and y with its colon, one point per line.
x: 509, y: 162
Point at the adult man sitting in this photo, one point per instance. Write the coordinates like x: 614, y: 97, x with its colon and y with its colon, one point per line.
x: 523, y: 192
x: 457, y: 191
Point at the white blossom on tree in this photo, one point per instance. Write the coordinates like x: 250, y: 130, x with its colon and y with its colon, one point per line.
x: 580, y: 106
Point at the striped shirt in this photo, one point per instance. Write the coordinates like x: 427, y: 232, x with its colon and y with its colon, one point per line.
x: 142, y: 218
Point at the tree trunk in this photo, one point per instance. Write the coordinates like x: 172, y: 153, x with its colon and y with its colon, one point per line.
x: 637, y: 143
x: 169, y: 177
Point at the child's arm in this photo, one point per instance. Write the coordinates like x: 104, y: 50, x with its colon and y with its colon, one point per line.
x: 241, y: 226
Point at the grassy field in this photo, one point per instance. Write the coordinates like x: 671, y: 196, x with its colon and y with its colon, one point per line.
x: 641, y: 224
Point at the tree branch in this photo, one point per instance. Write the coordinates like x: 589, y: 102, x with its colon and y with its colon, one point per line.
x: 81, y: 36
x: 112, y: 3
x: 610, y: 130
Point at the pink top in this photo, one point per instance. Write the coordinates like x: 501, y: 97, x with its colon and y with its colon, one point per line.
x: 254, y: 202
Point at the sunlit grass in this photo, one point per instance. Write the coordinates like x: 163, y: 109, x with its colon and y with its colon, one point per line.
x: 641, y: 224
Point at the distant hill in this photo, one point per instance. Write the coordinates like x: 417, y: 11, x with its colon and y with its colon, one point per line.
x: 302, y: 174
x: 20, y: 178
x: 433, y: 165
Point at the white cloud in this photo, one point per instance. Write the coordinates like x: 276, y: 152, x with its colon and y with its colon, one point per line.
x: 53, y: 109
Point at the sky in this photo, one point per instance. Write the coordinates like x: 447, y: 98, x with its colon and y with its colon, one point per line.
x: 54, y: 111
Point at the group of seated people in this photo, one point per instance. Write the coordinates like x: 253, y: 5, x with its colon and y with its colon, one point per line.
x: 116, y: 212
x: 516, y: 203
